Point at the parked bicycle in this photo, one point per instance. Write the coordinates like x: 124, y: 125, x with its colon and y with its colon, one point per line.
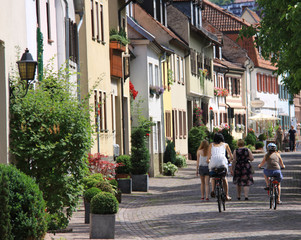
x: 217, y: 175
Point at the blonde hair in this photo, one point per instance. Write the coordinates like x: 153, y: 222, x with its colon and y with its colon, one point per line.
x: 204, y: 146
x: 240, y: 143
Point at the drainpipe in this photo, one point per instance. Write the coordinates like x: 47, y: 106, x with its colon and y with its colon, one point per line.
x: 81, y: 15
x: 67, y: 34
x: 249, y: 66
x: 161, y: 60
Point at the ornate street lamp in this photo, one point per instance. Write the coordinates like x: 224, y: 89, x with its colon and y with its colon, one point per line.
x: 27, y: 69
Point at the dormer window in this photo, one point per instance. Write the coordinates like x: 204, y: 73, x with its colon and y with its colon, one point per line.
x: 155, y: 9
x: 220, y: 53
x: 196, y: 15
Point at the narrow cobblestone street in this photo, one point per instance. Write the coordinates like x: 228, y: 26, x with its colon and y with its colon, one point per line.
x: 172, y: 209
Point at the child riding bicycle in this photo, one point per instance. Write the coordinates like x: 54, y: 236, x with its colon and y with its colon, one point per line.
x: 274, y: 164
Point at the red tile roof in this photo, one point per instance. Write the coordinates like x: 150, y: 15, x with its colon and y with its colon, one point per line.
x: 253, y: 15
x: 221, y: 18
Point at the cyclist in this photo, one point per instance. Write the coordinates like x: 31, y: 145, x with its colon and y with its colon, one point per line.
x: 274, y: 164
x: 217, y: 159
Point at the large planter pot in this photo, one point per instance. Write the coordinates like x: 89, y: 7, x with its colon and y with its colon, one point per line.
x: 102, y: 226
x: 125, y: 185
x: 87, y: 212
x: 140, y: 183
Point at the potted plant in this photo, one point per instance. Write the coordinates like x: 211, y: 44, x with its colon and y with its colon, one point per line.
x: 123, y: 173
x: 140, y: 157
x: 169, y: 169
x: 88, y: 195
x: 104, y: 207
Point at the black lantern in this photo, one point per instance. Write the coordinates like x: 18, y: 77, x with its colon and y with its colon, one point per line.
x: 27, y: 69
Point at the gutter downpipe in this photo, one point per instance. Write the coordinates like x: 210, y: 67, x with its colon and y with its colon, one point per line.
x: 67, y: 34
x: 203, y: 59
x: 122, y: 82
x: 247, y: 100
x: 81, y: 15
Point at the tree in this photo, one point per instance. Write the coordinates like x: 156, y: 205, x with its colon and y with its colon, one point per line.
x: 222, y: 2
x: 279, y: 36
x: 50, y: 139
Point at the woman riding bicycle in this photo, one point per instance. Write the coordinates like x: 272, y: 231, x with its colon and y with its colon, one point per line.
x: 274, y: 164
x: 217, y: 159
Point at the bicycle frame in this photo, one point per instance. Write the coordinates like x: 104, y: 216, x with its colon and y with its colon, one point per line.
x: 273, y: 192
x: 219, y: 193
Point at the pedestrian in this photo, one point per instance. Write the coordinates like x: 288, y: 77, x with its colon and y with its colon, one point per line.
x: 202, y: 168
x: 274, y: 164
x: 279, y: 138
x: 217, y: 159
x: 242, y: 169
x: 292, y: 138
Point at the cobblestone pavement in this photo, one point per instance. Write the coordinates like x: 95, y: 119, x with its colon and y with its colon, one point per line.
x: 172, y: 209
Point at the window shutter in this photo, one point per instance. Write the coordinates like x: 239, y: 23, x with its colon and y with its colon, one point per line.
x: 258, y: 82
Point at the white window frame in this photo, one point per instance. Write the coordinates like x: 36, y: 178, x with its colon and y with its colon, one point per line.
x: 150, y: 74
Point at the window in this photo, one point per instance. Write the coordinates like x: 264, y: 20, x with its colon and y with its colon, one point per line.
x: 100, y: 106
x: 227, y: 83
x: 182, y: 70
x: 192, y: 61
x: 105, y: 111
x: 48, y: 21
x: 157, y: 75
x: 258, y: 83
x: 225, y: 118
x: 101, y: 23
x: 96, y: 110
x: 180, y: 124
x: 235, y: 86
x: 92, y: 20
x: 97, y: 21
x: 150, y: 74
x: 199, y: 63
x: 168, y: 124
x: 184, y: 125
x: 178, y: 69
x: 155, y: 9
x: 265, y: 84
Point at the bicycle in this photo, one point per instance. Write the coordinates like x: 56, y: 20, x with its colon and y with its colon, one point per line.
x: 273, y: 192
x: 218, y: 174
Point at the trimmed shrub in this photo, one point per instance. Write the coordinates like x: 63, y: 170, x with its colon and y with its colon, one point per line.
x: 169, y: 169
x: 250, y: 139
x: 114, y: 183
x: 170, y: 153
x: 262, y: 137
x: 140, y: 154
x: 5, y: 226
x: 251, y: 147
x: 180, y: 161
x: 26, y: 210
x: 125, y: 164
x: 104, y: 203
x: 195, y: 136
x: 92, y: 180
x: 90, y: 193
x: 259, y: 145
x: 105, y: 186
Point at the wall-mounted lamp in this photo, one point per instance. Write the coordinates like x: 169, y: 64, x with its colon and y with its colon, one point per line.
x: 27, y: 70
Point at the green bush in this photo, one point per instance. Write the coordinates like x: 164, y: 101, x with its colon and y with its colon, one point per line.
x: 195, y: 136
x: 140, y: 154
x: 228, y: 138
x: 105, y: 186
x: 104, y: 203
x: 262, y: 137
x: 50, y: 137
x: 250, y: 139
x: 251, y: 147
x: 90, y: 193
x: 25, y: 208
x: 170, y: 152
x: 180, y: 161
x: 92, y: 180
x: 259, y: 145
x: 169, y: 169
x: 126, y: 165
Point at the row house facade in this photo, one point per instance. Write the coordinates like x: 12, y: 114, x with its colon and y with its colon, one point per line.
x: 102, y: 75
x: 263, y: 83
x: 185, y: 18
x: 47, y: 28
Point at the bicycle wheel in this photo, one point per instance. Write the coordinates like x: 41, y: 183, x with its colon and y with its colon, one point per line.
x: 219, y: 199
x: 271, y: 195
x: 275, y: 197
x: 224, y: 200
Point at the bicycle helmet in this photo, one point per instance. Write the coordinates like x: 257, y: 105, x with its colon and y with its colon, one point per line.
x: 272, y: 147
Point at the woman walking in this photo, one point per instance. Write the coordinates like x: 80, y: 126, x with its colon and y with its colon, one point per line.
x: 202, y: 168
x: 242, y: 173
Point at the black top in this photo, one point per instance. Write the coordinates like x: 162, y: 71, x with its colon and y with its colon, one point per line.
x: 292, y: 134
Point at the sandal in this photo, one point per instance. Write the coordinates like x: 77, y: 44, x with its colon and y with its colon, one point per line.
x: 207, y: 199
x: 279, y: 202
x: 228, y: 198
x: 202, y: 199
